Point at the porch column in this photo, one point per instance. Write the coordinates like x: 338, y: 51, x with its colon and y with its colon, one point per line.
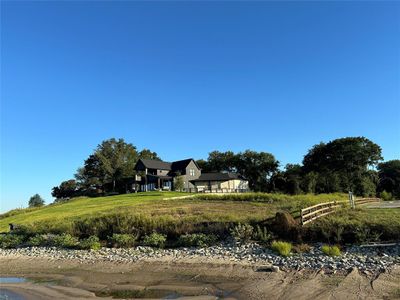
x: 145, y: 180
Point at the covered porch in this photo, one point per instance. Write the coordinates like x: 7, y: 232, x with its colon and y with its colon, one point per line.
x: 156, y: 182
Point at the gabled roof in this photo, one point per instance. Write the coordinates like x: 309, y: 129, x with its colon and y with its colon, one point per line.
x: 155, y: 164
x: 217, y: 177
x: 182, y: 164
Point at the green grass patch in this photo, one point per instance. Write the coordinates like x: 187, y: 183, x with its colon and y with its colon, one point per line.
x: 281, y: 248
x: 331, y: 250
x: 359, y: 225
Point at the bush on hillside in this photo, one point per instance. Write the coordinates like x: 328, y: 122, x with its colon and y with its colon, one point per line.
x: 10, y: 240
x: 121, y: 240
x: 23, y: 230
x: 386, y: 196
x: 333, y: 232
x: 155, y: 239
x: 242, y: 233
x: 197, y: 240
x: 262, y: 235
x: 281, y: 248
x: 125, y: 223
x: 41, y: 240
x: 91, y: 243
x: 65, y: 240
x: 36, y: 201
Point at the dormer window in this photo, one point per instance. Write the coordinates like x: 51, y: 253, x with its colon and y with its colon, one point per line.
x: 191, y: 172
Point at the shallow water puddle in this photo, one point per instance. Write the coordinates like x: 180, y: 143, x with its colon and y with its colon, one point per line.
x: 7, y: 294
x: 10, y: 295
x: 12, y: 280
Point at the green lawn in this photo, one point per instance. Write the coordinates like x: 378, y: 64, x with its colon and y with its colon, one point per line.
x: 82, y: 206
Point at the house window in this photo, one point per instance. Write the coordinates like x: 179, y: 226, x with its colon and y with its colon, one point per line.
x: 191, y: 172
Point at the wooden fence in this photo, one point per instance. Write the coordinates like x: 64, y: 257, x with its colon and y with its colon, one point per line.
x: 314, y: 212
x: 366, y: 200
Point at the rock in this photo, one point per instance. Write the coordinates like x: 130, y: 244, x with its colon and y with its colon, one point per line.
x: 275, y: 269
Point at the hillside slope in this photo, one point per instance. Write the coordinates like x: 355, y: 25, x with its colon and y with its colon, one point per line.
x: 229, y: 208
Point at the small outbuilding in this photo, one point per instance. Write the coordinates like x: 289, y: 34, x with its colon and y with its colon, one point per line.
x: 220, y: 183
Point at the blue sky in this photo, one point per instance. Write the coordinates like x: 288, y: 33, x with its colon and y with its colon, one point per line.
x: 186, y: 78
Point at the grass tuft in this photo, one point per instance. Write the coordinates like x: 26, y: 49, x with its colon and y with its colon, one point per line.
x: 331, y: 250
x: 281, y: 248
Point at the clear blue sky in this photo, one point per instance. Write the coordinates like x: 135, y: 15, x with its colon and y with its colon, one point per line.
x: 186, y: 78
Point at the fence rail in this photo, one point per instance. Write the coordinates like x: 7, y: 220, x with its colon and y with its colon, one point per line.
x: 366, y: 200
x: 314, y: 212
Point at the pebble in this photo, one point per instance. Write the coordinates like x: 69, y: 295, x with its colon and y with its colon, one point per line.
x: 367, y: 259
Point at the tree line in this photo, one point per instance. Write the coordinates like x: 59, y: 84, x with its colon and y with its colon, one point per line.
x: 342, y: 165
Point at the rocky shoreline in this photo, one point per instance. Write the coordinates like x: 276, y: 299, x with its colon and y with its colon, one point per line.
x: 369, y: 260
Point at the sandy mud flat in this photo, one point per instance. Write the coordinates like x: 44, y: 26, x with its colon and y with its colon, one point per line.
x: 71, y: 279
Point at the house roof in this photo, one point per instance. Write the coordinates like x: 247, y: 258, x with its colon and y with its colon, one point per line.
x: 162, y: 165
x: 182, y: 164
x: 156, y: 164
x: 217, y: 177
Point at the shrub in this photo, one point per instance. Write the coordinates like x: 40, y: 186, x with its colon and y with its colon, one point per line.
x: 197, y: 240
x: 36, y: 201
x: 41, y: 240
x: 91, y: 243
x: 386, y: 196
x: 11, y: 240
x: 120, y: 240
x: 331, y: 250
x: 65, y: 240
x: 282, y: 248
x: 262, y: 235
x: 332, y: 231
x: 242, y: 233
x: 155, y: 240
x: 23, y: 230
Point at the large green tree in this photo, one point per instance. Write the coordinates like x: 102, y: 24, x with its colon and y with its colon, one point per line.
x: 293, y: 174
x: 36, y: 201
x: 148, y: 154
x: 389, y: 177
x: 257, y: 168
x: 117, y: 160
x: 347, y: 160
x: 222, y: 161
x: 90, y: 177
x: 67, y: 189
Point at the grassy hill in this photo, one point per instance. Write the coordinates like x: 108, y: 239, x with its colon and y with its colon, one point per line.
x: 164, y: 207
x: 208, y: 213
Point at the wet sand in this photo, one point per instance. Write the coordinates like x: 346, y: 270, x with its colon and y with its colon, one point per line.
x: 69, y: 279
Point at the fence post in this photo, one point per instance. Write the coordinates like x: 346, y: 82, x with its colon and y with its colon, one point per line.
x: 301, y: 216
x: 351, y: 200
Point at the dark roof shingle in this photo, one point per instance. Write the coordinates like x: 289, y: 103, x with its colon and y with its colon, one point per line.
x: 181, y: 164
x: 156, y: 164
